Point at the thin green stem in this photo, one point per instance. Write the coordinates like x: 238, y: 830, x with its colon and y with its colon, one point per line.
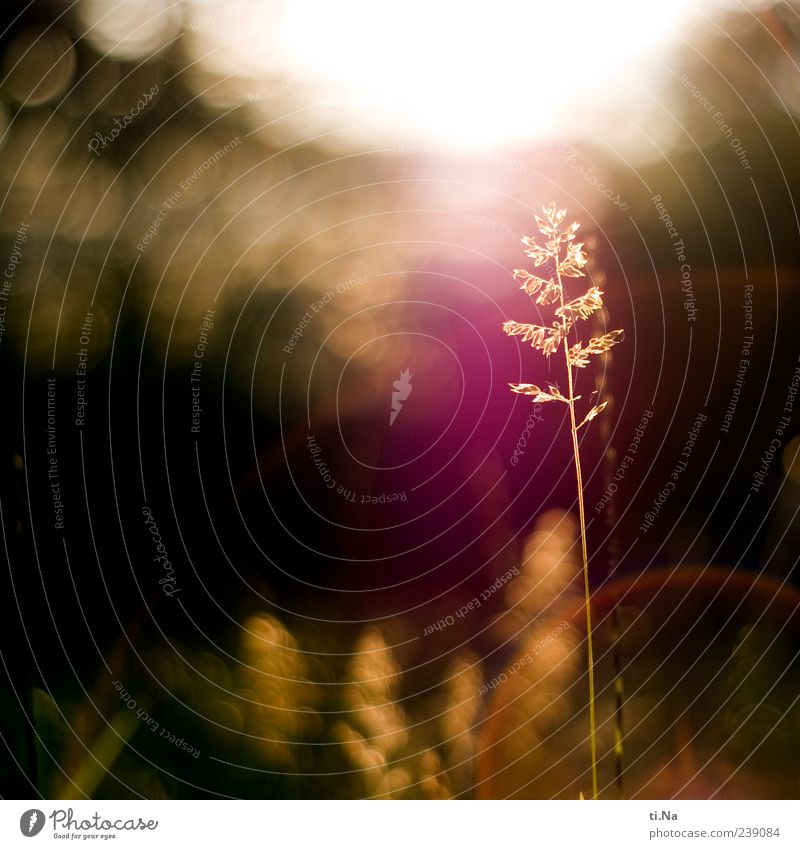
x: 582, y: 516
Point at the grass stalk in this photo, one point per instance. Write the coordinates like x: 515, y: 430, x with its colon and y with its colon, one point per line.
x: 584, y: 549
x: 549, y: 290
x: 586, y: 589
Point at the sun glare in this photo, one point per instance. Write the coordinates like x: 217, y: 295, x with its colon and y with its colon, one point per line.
x: 468, y: 74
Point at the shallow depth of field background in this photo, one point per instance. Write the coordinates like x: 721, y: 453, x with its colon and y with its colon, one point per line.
x: 226, y: 229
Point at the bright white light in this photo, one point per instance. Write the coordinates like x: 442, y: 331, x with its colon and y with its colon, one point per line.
x: 468, y: 74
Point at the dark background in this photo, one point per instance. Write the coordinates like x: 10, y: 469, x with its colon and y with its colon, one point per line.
x: 250, y: 529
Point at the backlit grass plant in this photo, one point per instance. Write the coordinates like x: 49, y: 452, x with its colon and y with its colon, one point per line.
x: 558, y: 258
